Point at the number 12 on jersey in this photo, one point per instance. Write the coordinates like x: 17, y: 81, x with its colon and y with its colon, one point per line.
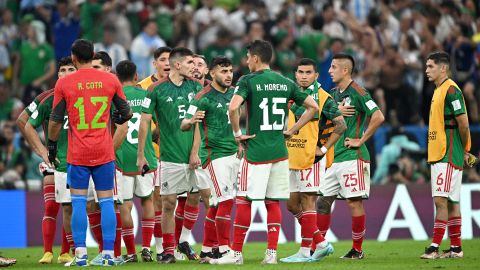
x: 265, y: 106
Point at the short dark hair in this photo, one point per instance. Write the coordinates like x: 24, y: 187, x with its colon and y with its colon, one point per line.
x: 126, y: 70
x: 307, y: 62
x: 180, y: 52
x: 104, y: 58
x: 65, y: 61
x: 261, y: 48
x: 83, y: 50
x: 159, y: 51
x: 202, y: 57
x: 344, y: 56
x: 439, y: 58
x: 221, y: 61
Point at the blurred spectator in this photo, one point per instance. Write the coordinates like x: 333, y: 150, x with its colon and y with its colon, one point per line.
x: 13, y: 160
x: 222, y: 46
x: 207, y: 20
x: 163, y: 14
x: 114, y: 15
x: 285, y: 58
x: 65, y: 25
x: 8, y: 29
x: 239, y: 19
x: 311, y: 43
x: 143, y: 47
x: 115, y: 50
x: 360, y: 9
x: 5, y: 68
x: 9, y: 106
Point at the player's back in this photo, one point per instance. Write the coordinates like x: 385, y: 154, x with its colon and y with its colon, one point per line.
x: 88, y: 94
x: 267, y: 94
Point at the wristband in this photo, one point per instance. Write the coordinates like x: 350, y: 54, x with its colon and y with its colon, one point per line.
x: 237, y: 134
x: 324, y: 149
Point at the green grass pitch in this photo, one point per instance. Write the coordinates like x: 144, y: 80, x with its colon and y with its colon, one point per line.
x: 395, y: 254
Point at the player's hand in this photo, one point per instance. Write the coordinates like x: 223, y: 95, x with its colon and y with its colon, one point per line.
x: 352, y: 143
x: 470, y: 160
x: 240, y: 151
x: 119, y: 118
x: 288, y: 134
x: 318, y: 152
x: 194, y: 162
x: 347, y: 110
x: 141, y: 161
x: 52, y: 153
x: 243, y: 138
x: 197, y: 117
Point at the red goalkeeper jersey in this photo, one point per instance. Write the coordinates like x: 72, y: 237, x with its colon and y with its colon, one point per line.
x: 87, y: 95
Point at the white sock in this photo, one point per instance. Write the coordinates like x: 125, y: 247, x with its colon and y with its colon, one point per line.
x: 159, y: 244
x: 323, y: 244
x: 185, y: 235
x: 206, y: 249
x: 434, y: 245
x: 224, y: 248
x: 305, y: 251
x: 80, y: 251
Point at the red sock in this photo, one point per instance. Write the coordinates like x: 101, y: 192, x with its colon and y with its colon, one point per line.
x: 65, y: 245
x: 438, y: 231
x: 274, y: 219
x: 179, y: 217
x: 242, y: 222
x: 168, y: 243
x: 129, y: 239
x: 310, y: 234
x: 223, y: 222
x: 148, y: 225
x: 455, y: 231
x: 209, y: 230
x: 157, y: 229
x: 95, y: 226
x: 358, y: 231
x: 117, y: 246
x: 323, y: 223
x: 69, y: 238
x: 190, y: 216
x: 49, y: 222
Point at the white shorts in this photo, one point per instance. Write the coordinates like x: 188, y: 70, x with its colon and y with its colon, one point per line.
x: 307, y: 180
x: 62, y: 193
x: 177, y: 178
x: 347, y: 179
x: 446, y: 181
x: 157, y: 179
x: 140, y: 186
x: 263, y: 181
x: 223, y: 174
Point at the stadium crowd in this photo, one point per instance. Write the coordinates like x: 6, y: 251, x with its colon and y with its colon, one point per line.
x: 390, y: 40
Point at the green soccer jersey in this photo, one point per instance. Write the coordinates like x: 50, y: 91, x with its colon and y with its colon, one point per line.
x: 454, y: 106
x: 330, y: 111
x: 170, y: 103
x: 126, y: 155
x: 32, y: 107
x: 217, y: 135
x: 357, y: 96
x: 40, y: 117
x: 266, y: 94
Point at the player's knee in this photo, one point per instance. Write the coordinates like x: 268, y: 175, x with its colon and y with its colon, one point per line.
x: 168, y: 205
x: 92, y: 206
x: 441, y: 203
x: 193, y: 199
x: 324, y: 205
x: 293, y: 208
x: 67, y: 209
x: 355, y: 203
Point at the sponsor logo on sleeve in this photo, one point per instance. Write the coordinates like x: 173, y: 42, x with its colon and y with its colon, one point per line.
x: 456, y: 105
x: 146, y: 102
x: 371, y: 104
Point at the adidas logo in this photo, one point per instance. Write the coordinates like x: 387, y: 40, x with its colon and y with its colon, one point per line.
x: 272, y: 229
x: 219, y: 105
x: 179, y: 97
x: 169, y: 99
x: 309, y: 185
x: 354, y: 190
x: 439, y: 189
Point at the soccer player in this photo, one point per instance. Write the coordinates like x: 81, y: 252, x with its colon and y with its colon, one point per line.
x: 349, y: 175
x: 307, y: 161
x: 449, y: 144
x: 189, y: 202
x: 169, y: 99
x: 52, y: 198
x: 219, y: 153
x: 162, y: 66
x: 264, y: 170
x: 129, y: 180
x: 86, y: 96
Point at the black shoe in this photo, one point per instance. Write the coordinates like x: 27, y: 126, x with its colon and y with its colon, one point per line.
x: 130, y: 258
x: 159, y: 256
x: 353, y: 254
x: 146, y: 255
x: 205, y: 257
x: 167, y: 259
x: 431, y: 252
x: 216, y: 253
x: 186, y: 249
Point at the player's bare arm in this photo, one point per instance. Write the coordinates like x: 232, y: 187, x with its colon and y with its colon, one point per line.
x: 194, y: 160
x: 188, y: 123
x: 142, y: 136
x: 32, y: 137
x: 21, y: 122
x: 311, y: 107
x: 119, y: 135
x: 464, y: 130
x: 234, y: 114
x: 375, y: 122
x: 339, y: 127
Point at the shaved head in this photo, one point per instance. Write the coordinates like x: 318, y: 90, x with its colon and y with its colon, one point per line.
x: 345, y: 61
